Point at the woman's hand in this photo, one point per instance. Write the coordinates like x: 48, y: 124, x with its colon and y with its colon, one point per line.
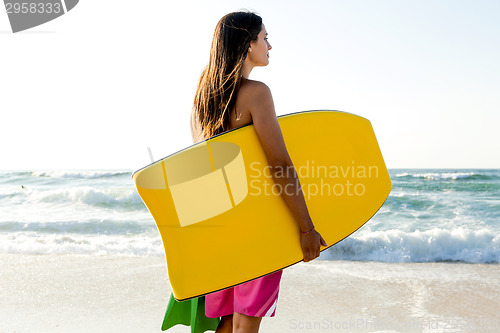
x: 311, y: 244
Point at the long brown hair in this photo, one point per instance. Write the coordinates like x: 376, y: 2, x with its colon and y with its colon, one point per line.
x: 220, y: 80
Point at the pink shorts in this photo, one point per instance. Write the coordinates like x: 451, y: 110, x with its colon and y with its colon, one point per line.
x: 256, y: 298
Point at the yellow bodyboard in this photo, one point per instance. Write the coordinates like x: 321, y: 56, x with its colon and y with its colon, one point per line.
x: 222, y: 218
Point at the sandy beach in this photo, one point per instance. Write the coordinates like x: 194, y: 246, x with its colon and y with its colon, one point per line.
x: 71, y: 293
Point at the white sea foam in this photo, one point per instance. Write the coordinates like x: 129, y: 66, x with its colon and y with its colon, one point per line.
x: 86, y: 174
x: 146, y: 244
x: 459, y: 244
x: 72, y: 205
x: 438, y: 175
x: 436, y: 245
x: 84, y: 194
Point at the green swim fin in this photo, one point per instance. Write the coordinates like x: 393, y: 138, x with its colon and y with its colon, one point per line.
x: 189, y: 313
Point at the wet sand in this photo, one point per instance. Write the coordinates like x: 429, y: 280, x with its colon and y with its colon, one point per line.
x: 70, y: 293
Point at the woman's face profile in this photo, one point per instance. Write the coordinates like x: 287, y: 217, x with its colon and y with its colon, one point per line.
x: 259, y: 56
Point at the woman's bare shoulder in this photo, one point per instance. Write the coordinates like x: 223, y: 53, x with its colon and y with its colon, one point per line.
x: 252, y: 89
x: 254, y: 95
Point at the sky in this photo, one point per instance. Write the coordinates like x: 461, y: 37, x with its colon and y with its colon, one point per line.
x: 94, y: 88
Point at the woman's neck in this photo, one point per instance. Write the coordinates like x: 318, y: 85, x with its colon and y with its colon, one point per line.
x: 246, y: 69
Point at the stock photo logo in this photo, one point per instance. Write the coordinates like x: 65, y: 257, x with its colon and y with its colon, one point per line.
x: 25, y: 14
x: 210, y: 177
x: 201, y: 182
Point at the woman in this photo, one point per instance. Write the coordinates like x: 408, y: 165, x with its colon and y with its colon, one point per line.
x: 226, y: 99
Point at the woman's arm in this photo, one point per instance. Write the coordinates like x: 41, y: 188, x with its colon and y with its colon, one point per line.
x: 257, y: 97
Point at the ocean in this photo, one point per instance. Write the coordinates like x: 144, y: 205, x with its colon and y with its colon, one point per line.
x: 440, y: 215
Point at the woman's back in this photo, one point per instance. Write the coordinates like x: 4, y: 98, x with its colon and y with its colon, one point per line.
x: 241, y: 115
